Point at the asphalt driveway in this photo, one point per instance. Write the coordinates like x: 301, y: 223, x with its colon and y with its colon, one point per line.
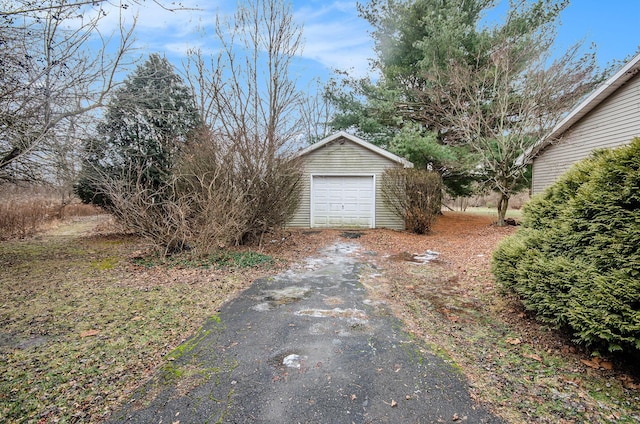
x: 306, y: 346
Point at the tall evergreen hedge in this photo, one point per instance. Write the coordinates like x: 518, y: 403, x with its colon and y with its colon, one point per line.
x: 576, y: 260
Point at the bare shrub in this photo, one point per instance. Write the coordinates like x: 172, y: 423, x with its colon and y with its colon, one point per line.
x: 235, y: 194
x: 415, y: 195
x: 153, y: 212
x: 210, y: 193
x: 27, y: 209
x: 23, y: 218
x: 80, y: 209
x: 222, y: 193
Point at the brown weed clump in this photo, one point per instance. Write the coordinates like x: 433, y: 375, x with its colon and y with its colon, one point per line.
x: 26, y: 210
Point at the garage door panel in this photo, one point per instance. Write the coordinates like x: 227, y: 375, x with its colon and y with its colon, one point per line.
x: 342, y: 201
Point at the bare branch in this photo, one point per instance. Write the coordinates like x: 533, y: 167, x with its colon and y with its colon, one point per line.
x: 246, y: 91
x: 50, y: 76
x: 23, y: 7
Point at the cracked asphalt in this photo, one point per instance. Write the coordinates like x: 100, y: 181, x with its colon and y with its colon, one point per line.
x: 306, y: 346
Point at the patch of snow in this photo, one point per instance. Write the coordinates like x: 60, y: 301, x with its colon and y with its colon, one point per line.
x: 293, y: 361
x: 427, y: 256
x: 350, y: 314
x: 262, y: 307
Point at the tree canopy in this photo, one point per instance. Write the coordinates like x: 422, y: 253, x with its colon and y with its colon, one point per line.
x: 465, y: 98
x: 146, y: 122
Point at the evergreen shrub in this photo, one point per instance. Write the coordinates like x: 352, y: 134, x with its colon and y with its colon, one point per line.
x: 576, y: 260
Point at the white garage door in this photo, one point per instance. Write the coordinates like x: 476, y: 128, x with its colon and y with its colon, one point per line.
x: 342, y: 201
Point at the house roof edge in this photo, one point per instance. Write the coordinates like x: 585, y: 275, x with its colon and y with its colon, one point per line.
x: 606, y: 89
x: 343, y: 134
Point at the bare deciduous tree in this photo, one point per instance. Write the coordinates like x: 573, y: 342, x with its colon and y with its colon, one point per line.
x: 316, y: 111
x: 56, y: 66
x: 24, y: 7
x: 246, y: 90
x: 250, y: 103
x: 505, y: 102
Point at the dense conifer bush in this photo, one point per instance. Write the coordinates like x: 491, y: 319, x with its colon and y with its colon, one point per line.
x: 576, y: 260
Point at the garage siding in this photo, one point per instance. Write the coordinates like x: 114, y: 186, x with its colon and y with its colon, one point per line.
x: 344, y: 157
x: 612, y: 123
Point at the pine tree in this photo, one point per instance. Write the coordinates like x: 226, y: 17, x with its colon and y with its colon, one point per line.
x: 465, y: 98
x: 147, y: 121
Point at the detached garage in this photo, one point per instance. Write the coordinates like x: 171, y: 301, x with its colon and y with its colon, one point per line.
x: 342, y: 185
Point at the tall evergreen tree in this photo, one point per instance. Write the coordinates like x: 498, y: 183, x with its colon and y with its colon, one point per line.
x: 147, y: 121
x: 459, y: 96
x: 411, y: 38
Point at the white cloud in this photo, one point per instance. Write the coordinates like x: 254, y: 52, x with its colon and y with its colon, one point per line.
x: 178, y: 23
x: 338, y: 46
x: 181, y: 49
x: 335, y: 36
x: 157, y: 25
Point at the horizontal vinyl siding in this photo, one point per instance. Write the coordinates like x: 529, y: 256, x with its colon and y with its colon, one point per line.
x: 615, y: 122
x: 344, y: 157
x: 302, y: 216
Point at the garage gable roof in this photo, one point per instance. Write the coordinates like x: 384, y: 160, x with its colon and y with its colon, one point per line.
x: 625, y: 73
x: 342, y: 134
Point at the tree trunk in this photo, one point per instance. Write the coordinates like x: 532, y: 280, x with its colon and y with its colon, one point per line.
x: 503, y: 204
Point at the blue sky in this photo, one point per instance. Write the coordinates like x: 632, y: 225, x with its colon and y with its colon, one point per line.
x: 336, y: 37
x: 612, y: 25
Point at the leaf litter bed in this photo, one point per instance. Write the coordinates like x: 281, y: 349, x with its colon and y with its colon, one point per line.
x: 84, y: 321
x: 522, y: 370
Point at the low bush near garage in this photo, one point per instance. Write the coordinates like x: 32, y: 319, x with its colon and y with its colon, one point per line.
x: 576, y: 260
x: 415, y: 195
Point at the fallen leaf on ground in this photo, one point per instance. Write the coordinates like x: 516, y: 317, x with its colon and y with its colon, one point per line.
x: 590, y: 364
x: 597, y: 363
x: 513, y: 341
x: 628, y: 383
x: 89, y: 333
x: 532, y: 356
x: 606, y: 365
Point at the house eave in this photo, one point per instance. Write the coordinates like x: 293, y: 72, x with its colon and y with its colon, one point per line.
x: 605, y: 90
x: 357, y: 140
